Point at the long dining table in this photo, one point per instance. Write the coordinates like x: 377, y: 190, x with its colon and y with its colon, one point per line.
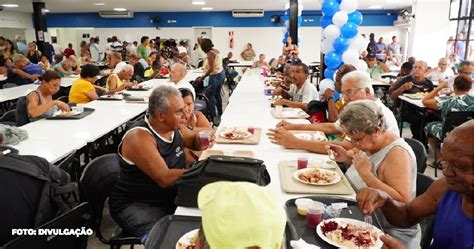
x: 248, y: 106
x: 56, y: 139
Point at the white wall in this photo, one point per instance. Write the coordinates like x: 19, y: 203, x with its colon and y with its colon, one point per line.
x: 264, y: 40
x: 430, y: 30
x: 18, y: 20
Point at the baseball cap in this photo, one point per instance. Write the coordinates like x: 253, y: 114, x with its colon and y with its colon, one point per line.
x: 240, y: 215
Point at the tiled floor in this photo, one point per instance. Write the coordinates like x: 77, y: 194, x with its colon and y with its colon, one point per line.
x: 109, y: 225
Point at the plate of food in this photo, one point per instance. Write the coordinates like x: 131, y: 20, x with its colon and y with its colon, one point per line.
x: 139, y: 88
x: 188, y: 240
x: 112, y: 97
x: 419, y: 95
x: 61, y: 113
x: 317, y: 176
x: 349, y: 233
x: 311, y: 136
x: 235, y: 134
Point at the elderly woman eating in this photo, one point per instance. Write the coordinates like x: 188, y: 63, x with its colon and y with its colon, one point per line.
x: 381, y: 160
x: 40, y: 103
x: 118, y: 80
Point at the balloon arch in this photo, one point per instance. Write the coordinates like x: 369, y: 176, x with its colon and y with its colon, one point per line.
x: 341, y: 43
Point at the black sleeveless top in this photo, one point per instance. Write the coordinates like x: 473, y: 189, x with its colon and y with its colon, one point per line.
x: 135, y: 186
x: 34, y: 58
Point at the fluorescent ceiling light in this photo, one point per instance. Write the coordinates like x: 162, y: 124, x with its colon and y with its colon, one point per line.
x: 206, y: 8
x: 98, y: 4
x: 9, y: 5
x: 120, y: 9
x: 199, y: 3
x: 375, y: 7
x: 46, y: 10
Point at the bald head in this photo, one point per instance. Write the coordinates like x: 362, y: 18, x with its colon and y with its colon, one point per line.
x: 178, y: 72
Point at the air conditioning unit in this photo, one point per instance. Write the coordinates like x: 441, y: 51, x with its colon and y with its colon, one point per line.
x: 116, y: 14
x: 402, y: 23
x: 248, y: 13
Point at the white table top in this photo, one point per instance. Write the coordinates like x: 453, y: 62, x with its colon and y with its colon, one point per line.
x: 241, y: 64
x: 416, y: 102
x: 13, y: 93
x: 249, y: 107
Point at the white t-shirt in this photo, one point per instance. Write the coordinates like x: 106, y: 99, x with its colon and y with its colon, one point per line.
x: 392, y: 124
x: 306, y: 94
x: 437, y: 75
x: 95, y: 52
x: 184, y: 84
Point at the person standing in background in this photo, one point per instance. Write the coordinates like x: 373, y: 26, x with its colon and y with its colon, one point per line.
x: 460, y: 46
x: 20, y: 45
x: 371, y: 47
x: 96, y: 53
x: 394, y: 51
x: 57, y: 48
x: 69, y: 51
x: 142, y: 49
x: 248, y: 54
x: 381, y: 50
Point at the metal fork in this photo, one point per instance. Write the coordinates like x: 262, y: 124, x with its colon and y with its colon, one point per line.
x: 368, y: 221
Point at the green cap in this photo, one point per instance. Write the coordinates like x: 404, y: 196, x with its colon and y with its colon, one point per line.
x: 238, y: 215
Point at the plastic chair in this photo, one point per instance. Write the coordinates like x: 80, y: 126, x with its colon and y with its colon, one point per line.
x: 96, y: 184
x: 453, y: 119
x: 9, y: 116
x: 64, y: 99
x: 420, y: 153
x: 76, y: 218
x: 423, y: 182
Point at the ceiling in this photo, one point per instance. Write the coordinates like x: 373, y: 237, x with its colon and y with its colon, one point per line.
x: 185, y: 5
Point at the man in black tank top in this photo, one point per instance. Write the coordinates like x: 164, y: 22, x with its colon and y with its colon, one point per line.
x: 151, y: 159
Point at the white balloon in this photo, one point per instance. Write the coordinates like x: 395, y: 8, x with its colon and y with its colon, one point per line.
x: 332, y: 32
x: 287, y: 6
x: 340, y: 18
x: 348, y: 6
x: 361, y: 65
x: 350, y: 56
x: 325, y: 84
x: 287, y: 24
x: 326, y: 46
x: 300, y: 7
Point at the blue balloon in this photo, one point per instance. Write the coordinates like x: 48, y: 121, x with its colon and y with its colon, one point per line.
x: 329, y: 73
x: 341, y: 44
x: 333, y: 60
x: 287, y: 33
x: 336, y: 95
x: 329, y: 7
x: 325, y: 21
x: 349, y: 30
x: 300, y: 19
x: 283, y: 41
x: 286, y: 17
x: 356, y: 17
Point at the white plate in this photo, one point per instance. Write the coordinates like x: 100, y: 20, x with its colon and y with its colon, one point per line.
x: 310, y: 136
x: 336, y: 179
x: 221, y: 134
x: 344, y: 221
x: 66, y: 114
x: 115, y: 96
x: 186, y: 238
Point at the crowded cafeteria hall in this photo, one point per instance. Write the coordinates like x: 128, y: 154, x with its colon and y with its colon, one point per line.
x: 249, y: 124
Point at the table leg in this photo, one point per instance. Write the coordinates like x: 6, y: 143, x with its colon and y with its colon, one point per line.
x: 422, y: 126
x: 401, y: 117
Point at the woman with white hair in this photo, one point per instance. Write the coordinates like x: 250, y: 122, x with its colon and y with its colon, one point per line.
x: 381, y: 160
x: 119, y: 79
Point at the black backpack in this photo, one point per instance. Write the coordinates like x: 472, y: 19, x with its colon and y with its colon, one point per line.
x: 218, y: 168
x: 51, y: 203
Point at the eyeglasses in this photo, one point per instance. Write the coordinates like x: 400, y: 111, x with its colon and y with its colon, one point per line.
x: 458, y: 169
x: 351, y: 92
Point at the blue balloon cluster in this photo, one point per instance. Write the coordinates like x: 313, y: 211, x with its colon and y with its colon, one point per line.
x: 348, y: 30
x: 286, y: 18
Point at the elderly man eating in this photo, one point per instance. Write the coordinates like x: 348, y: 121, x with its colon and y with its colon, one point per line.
x: 177, y: 78
x: 17, y: 75
x: 151, y: 159
x: 450, y: 198
x: 356, y: 85
x: 301, y: 92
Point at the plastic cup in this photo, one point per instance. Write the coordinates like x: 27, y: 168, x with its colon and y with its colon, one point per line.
x: 251, y: 129
x: 314, y: 214
x: 302, y: 205
x: 302, y: 162
x: 333, y: 212
x: 204, y: 138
